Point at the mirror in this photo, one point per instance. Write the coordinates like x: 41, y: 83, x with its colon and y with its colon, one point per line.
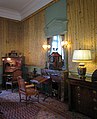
x: 56, y: 54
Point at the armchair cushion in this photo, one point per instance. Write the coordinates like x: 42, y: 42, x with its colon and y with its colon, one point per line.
x: 29, y: 86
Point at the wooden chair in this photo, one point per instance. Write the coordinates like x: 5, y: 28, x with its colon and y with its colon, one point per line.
x: 26, y: 89
x: 12, y: 79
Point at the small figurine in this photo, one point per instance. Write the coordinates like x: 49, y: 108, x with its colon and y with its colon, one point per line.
x: 34, y: 71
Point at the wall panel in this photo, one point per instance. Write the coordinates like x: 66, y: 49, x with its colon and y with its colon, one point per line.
x: 82, y: 30
x: 34, y: 38
x: 26, y: 37
x: 9, y: 36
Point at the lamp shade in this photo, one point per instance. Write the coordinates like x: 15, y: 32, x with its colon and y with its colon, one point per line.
x: 82, y: 56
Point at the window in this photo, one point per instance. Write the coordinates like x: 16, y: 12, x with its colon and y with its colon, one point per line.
x: 56, y: 45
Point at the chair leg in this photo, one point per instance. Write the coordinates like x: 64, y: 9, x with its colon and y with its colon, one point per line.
x: 6, y: 87
x: 26, y: 99
x: 12, y: 88
x: 0, y: 110
x: 37, y: 95
x: 20, y: 96
x: 38, y: 98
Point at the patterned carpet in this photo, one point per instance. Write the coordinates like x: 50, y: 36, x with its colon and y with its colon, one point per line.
x: 48, y: 109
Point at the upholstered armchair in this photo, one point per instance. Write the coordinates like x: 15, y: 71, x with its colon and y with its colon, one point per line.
x: 27, y: 90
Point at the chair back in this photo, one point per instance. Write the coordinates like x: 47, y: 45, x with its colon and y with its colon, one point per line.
x: 21, y: 83
x: 17, y: 73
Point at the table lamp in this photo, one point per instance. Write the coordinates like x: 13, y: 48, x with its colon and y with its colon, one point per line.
x: 82, y: 56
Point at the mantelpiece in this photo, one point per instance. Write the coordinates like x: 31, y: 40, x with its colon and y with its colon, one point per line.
x: 59, y: 78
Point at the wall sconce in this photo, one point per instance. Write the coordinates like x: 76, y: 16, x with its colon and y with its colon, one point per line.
x: 8, y: 59
x: 65, y: 43
x: 82, y: 56
x: 45, y: 47
x: 3, y: 59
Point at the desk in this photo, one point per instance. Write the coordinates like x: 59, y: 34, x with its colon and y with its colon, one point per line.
x: 43, y: 80
x: 40, y: 79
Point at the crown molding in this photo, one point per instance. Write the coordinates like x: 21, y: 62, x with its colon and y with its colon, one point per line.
x: 10, y: 14
x: 33, y: 7
x: 28, y: 9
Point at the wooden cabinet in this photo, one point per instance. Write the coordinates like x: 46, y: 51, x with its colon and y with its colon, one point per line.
x: 83, y: 97
x: 10, y: 64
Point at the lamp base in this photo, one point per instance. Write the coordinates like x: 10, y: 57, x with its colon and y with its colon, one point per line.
x: 82, y: 72
x: 82, y: 77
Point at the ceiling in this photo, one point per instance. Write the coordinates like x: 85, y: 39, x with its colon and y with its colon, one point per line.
x: 20, y: 9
